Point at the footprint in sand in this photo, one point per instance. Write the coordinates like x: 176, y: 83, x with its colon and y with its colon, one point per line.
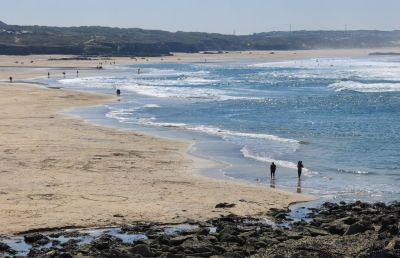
x: 46, y: 197
x: 104, y: 198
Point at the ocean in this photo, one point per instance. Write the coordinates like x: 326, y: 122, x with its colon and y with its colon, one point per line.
x: 340, y: 116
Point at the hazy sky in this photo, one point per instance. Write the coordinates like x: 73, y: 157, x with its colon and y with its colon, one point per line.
x: 223, y: 16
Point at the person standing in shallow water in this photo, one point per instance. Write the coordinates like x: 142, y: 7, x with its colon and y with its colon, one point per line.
x: 273, y: 169
x: 299, y: 168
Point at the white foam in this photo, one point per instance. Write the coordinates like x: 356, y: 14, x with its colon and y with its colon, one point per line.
x: 181, y: 81
x: 331, y: 68
x: 365, y: 87
x: 151, y: 106
x: 122, y: 115
x: 149, y: 122
x: 223, y: 133
x: 204, y: 94
x: 283, y: 163
x: 215, y: 131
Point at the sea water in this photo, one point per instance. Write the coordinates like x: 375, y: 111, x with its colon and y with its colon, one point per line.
x: 340, y: 116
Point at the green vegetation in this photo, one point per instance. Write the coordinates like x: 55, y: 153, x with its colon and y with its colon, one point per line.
x: 95, y: 40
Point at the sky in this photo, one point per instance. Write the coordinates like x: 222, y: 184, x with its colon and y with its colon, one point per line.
x: 220, y: 16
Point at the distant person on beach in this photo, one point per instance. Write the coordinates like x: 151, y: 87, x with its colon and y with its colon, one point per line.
x: 273, y: 169
x: 48, y: 75
x: 118, y: 92
x: 10, y: 78
x: 64, y: 74
x: 299, y: 168
x: 77, y: 73
x: 138, y: 71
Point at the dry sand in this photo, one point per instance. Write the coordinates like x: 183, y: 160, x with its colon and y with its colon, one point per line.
x: 59, y: 171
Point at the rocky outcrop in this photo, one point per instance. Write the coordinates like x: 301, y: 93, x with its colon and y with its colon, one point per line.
x: 334, y: 230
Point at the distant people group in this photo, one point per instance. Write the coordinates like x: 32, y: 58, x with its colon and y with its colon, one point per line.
x: 299, y: 169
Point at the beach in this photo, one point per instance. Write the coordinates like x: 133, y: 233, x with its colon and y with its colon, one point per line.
x: 58, y: 171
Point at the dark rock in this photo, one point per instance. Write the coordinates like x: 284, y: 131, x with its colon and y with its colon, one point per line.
x: 379, y: 254
x: 278, y: 232
x: 142, y: 250
x: 349, y: 220
x: 390, y: 224
x: 379, y: 205
x: 34, y: 252
x: 55, y: 234
x: 36, y: 237
x: 4, y: 247
x: 212, y: 239
x: 280, y: 215
x: 358, y: 227
x: 228, y: 229
x: 64, y: 255
x: 178, y: 240
x: 316, y: 231
x: 233, y: 255
x: 330, y: 205
x: 226, y: 237
x: 100, y: 244
x: 204, y: 231
x: 43, y: 241
x: 163, y: 239
x: 337, y: 229
x: 71, y: 243
x: 294, y: 235
x: 224, y: 205
x: 177, y: 249
x: 171, y: 255
x: 55, y: 242
x: 202, y: 249
x: 219, y: 249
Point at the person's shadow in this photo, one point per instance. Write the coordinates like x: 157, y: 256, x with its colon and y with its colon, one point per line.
x: 298, y: 186
x: 272, y: 185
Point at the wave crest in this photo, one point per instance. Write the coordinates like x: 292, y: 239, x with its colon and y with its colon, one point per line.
x: 365, y: 87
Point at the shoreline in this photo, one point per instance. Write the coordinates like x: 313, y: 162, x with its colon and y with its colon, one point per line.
x: 255, y: 203
x: 25, y: 202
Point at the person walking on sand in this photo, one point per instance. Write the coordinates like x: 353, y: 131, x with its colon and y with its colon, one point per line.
x: 299, y: 168
x: 273, y: 169
x: 10, y: 78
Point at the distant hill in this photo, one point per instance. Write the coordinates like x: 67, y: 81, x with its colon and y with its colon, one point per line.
x: 96, y: 40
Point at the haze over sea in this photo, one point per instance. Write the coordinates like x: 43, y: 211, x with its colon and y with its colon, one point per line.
x: 340, y: 116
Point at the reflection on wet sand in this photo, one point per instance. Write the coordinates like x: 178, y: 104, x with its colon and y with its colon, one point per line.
x: 272, y: 185
x: 298, y: 186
